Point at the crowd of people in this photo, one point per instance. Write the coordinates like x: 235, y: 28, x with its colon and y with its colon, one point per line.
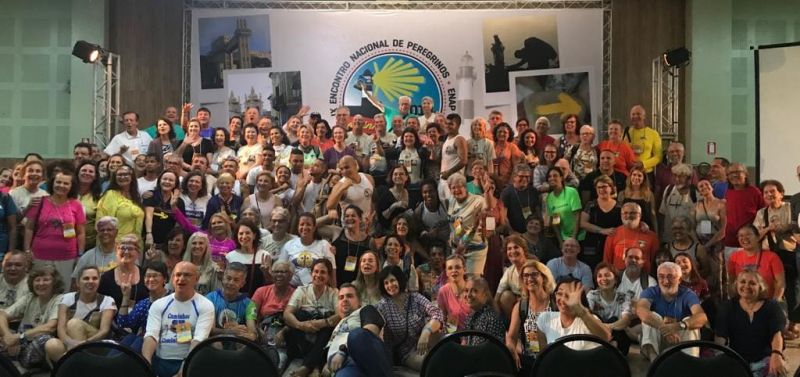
x: 355, y: 248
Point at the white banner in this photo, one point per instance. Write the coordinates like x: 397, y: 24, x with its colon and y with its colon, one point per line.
x: 282, y: 59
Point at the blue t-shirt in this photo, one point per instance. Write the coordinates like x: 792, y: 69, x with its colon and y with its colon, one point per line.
x: 236, y: 311
x: 7, y: 208
x: 720, y: 188
x: 679, y: 308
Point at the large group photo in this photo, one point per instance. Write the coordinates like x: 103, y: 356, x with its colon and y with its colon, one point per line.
x: 375, y: 189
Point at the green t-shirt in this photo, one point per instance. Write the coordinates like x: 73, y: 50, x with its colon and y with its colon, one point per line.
x: 179, y: 134
x: 565, y: 206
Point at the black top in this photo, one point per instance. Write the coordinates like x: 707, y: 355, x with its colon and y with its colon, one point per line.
x: 587, y: 183
x: 163, y: 219
x: 519, y: 205
x: 344, y: 248
x: 108, y: 286
x: 205, y: 146
x: 751, y: 339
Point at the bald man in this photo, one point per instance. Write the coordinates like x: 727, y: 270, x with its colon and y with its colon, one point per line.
x: 353, y: 189
x: 177, y: 323
x: 645, y: 141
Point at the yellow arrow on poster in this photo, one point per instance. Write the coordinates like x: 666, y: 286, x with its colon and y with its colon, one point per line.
x: 565, y: 105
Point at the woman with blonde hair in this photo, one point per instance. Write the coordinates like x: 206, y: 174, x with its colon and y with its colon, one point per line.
x: 750, y: 323
x: 536, y: 286
x: 198, y: 252
x: 509, y: 290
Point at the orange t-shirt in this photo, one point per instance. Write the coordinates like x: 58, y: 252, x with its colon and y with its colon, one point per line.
x: 624, y: 238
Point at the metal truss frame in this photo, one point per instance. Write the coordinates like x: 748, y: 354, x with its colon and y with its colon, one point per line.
x: 665, y: 101
x: 605, y: 5
x: 106, y: 88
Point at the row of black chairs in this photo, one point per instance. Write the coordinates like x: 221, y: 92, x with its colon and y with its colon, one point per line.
x: 228, y: 355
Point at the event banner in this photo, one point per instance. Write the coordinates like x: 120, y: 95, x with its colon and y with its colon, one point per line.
x: 525, y: 63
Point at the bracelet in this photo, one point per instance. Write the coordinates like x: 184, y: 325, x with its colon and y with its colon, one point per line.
x: 778, y: 353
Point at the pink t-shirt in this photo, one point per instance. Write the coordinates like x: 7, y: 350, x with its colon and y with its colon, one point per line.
x: 268, y: 303
x: 54, y: 222
x: 454, y: 307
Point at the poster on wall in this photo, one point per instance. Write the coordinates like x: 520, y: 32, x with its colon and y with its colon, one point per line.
x: 370, y: 65
x: 227, y: 43
x: 517, y: 44
x: 554, y: 94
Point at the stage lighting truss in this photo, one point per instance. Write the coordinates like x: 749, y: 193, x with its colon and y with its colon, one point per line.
x: 106, y: 88
x: 665, y: 99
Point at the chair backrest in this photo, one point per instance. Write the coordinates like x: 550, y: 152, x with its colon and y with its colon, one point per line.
x: 673, y: 362
x: 102, y: 359
x: 228, y: 356
x: 7, y: 367
x: 449, y: 358
x: 558, y: 359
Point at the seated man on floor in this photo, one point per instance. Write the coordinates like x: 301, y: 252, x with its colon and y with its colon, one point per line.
x: 235, y: 313
x: 355, y: 348
x: 14, y: 279
x: 670, y: 313
x: 177, y: 323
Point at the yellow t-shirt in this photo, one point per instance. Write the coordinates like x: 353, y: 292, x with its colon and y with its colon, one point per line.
x: 130, y: 216
x: 646, y: 145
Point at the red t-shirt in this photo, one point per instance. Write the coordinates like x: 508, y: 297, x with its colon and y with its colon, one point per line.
x: 623, y: 153
x: 268, y: 303
x: 624, y: 238
x: 742, y: 206
x: 769, y: 266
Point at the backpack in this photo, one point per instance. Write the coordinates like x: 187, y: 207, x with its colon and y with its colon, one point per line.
x: 692, y: 192
x: 93, y: 316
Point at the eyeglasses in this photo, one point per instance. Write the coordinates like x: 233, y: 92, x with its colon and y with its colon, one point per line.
x: 669, y: 277
x: 603, y: 187
x: 280, y: 272
x: 531, y: 275
x: 126, y: 248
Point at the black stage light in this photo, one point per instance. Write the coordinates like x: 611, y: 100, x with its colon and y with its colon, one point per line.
x: 88, y: 52
x: 678, y: 57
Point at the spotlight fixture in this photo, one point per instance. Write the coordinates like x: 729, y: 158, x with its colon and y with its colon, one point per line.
x: 678, y: 57
x: 88, y: 52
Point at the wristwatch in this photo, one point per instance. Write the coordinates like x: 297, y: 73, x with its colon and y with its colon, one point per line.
x: 683, y: 325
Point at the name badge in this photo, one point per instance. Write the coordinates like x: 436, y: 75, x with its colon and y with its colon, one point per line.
x: 350, y: 263
x: 69, y: 230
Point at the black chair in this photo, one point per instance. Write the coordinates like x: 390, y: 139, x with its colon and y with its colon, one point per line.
x: 673, y: 362
x: 7, y: 367
x: 558, y: 360
x: 228, y: 356
x: 449, y: 358
x: 102, y: 359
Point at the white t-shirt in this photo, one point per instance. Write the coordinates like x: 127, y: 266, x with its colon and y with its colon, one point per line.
x: 310, y: 196
x: 510, y: 281
x: 550, y: 324
x: 9, y: 294
x: 22, y: 198
x: 633, y: 288
x: 245, y: 259
x: 166, y: 312
x: 83, y: 308
x: 137, y: 144
x: 303, y: 256
x: 144, y: 185
x: 195, y: 211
